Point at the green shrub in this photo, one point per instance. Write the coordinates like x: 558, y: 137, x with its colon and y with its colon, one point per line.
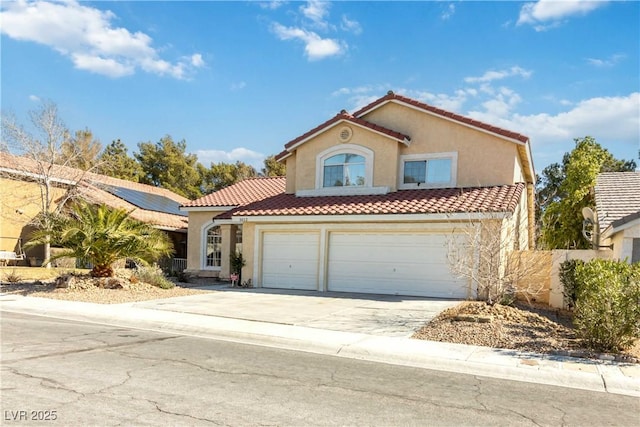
x: 607, y: 313
x: 568, y: 280
x: 153, y: 275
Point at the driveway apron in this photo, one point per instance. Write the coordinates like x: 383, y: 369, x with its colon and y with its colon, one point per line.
x: 384, y: 315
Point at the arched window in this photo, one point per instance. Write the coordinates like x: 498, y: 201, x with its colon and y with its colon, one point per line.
x: 344, y: 170
x: 213, y: 248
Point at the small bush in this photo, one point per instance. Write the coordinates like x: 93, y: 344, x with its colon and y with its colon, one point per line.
x: 568, y: 280
x: 153, y: 275
x: 12, y: 277
x: 607, y: 313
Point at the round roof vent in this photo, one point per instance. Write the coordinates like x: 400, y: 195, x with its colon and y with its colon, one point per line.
x: 345, y: 134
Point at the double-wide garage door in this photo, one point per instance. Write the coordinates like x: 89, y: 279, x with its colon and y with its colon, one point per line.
x: 382, y: 263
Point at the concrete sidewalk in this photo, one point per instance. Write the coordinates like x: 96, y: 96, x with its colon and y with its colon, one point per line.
x: 605, y: 376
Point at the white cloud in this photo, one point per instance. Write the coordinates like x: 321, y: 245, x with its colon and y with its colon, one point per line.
x: 608, y: 62
x: 250, y: 157
x: 448, y: 12
x: 196, y: 60
x: 238, y: 86
x: 271, y: 5
x: 499, y: 75
x: 312, y: 25
x: 34, y: 98
x: 86, y: 35
x: 614, y: 118
x: 316, y: 11
x: 351, y: 26
x: 546, y: 14
x: 315, y: 46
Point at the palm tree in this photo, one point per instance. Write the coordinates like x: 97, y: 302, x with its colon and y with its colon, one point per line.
x: 102, y: 235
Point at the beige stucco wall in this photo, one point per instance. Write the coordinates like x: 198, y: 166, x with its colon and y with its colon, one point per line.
x: 483, y: 159
x: 623, y: 242
x: 385, y: 149
x: 20, y: 203
x: 291, y: 174
x: 197, y: 221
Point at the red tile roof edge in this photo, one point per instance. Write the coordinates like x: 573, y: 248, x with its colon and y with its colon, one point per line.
x: 343, y: 115
x: 276, y: 185
x: 500, y: 198
x: 390, y: 96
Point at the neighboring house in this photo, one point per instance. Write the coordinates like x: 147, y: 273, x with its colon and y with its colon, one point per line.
x: 618, y: 209
x: 21, y: 201
x: 371, y: 201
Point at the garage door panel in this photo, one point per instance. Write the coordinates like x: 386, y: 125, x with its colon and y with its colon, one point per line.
x: 290, y: 260
x: 399, y: 263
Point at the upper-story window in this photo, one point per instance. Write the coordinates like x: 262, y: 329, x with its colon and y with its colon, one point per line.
x: 428, y: 170
x: 344, y: 170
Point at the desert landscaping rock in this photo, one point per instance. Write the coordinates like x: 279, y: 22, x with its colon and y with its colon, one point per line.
x: 527, y: 328
x: 111, y: 290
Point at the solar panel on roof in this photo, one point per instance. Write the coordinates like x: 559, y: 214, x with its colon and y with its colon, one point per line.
x: 147, y: 201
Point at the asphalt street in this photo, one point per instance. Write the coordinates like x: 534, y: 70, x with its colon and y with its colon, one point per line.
x: 89, y: 374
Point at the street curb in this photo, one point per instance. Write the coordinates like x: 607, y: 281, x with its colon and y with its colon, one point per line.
x: 464, y: 359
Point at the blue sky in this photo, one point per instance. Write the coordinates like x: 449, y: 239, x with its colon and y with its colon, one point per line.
x: 237, y: 80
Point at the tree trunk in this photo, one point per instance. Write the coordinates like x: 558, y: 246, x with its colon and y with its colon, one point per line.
x: 102, y: 271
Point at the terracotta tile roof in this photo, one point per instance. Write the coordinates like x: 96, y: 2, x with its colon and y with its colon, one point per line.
x: 342, y: 116
x: 390, y: 96
x: 243, y: 192
x: 449, y: 200
x: 617, y: 196
x: 92, y: 189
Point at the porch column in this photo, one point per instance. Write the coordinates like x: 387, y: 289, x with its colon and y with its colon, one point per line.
x: 228, y: 234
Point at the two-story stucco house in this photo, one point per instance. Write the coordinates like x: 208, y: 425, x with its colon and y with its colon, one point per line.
x: 370, y: 201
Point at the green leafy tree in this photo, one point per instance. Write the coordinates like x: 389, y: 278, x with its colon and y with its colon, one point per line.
x: 272, y: 167
x: 116, y: 162
x: 102, y: 236
x: 80, y: 151
x: 166, y: 164
x: 222, y: 175
x: 563, y: 190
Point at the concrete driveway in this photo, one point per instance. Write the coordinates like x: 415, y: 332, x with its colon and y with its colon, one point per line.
x: 385, y: 315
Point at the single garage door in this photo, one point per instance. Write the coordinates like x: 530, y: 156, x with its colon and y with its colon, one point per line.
x: 402, y: 264
x: 290, y: 260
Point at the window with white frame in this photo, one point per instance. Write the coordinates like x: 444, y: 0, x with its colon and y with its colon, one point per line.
x: 344, y: 170
x: 213, y: 247
x: 428, y: 171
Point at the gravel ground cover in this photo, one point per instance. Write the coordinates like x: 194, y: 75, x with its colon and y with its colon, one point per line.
x: 86, y: 289
x: 521, y: 327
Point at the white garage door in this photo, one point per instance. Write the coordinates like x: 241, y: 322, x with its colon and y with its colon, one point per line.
x: 402, y: 264
x: 290, y: 260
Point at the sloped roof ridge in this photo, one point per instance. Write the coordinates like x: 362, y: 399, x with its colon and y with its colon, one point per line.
x: 343, y: 115
x: 391, y: 96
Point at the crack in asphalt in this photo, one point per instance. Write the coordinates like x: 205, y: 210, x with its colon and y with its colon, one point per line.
x: 46, y: 382
x: 563, y: 418
x: 208, y: 369
x: 100, y: 347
